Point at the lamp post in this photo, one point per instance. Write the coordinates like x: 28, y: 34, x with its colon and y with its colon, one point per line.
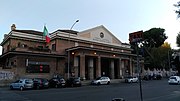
x: 69, y: 46
x: 136, y: 41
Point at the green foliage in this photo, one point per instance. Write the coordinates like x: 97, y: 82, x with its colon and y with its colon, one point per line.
x: 178, y: 10
x: 160, y: 57
x: 154, y: 37
x: 178, y: 40
x: 155, y: 51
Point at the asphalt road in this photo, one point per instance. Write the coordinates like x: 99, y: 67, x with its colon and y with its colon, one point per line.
x: 155, y: 90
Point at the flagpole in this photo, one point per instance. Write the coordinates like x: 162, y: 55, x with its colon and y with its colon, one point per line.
x: 43, y: 31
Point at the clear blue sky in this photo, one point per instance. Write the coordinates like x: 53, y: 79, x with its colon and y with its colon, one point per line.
x: 120, y: 17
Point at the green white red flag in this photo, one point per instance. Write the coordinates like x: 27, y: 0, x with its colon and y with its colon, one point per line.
x: 46, y: 34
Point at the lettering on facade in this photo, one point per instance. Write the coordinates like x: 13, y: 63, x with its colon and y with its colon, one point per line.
x: 101, y: 40
x: 6, y: 75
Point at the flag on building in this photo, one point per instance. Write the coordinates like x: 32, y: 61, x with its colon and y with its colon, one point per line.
x: 46, y: 34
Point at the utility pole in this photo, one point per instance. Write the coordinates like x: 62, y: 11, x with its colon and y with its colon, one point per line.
x: 169, y: 59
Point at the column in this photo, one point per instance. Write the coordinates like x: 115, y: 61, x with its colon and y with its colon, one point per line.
x: 122, y: 69
x: 119, y: 69
x: 98, y: 69
x: 91, y: 69
x: 76, y: 69
x: 130, y: 65
x: 82, y: 66
x: 112, y: 69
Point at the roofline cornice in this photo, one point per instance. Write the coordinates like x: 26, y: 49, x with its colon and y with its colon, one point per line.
x: 24, y: 36
x: 100, y: 50
x: 32, y: 54
x: 83, y: 40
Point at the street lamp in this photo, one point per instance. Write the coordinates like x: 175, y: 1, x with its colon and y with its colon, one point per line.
x: 69, y: 46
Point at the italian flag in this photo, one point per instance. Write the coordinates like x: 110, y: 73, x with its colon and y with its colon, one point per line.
x: 46, y: 34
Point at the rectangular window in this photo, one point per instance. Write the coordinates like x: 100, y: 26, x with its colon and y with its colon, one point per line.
x: 37, y: 68
x: 24, y: 45
x: 40, y: 47
x: 3, y: 50
x: 53, y: 47
x: 8, y: 47
x: 76, y: 44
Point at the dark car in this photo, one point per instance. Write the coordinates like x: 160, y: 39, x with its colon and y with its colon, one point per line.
x: 57, y: 82
x: 157, y: 77
x: 40, y: 83
x: 147, y: 77
x: 73, y: 82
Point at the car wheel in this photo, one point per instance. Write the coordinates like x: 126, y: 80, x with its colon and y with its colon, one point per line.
x: 56, y: 86
x: 21, y: 88
x: 131, y: 81
x: 72, y: 85
x: 108, y: 83
x: 98, y: 83
x: 11, y: 87
x: 37, y: 87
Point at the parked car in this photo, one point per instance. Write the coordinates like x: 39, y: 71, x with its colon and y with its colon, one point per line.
x: 147, y: 77
x: 174, y: 80
x: 57, y: 82
x: 101, y: 80
x: 71, y: 82
x: 22, y: 84
x: 131, y: 79
x: 40, y: 83
x: 157, y: 77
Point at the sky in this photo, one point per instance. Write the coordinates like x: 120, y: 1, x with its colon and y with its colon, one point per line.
x: 120, y: 17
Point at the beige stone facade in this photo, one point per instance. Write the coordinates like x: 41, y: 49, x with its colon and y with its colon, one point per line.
x: 92, y: 53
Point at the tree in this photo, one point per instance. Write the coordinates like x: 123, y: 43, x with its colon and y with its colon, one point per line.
x: 176, y: 61
x: 177, y: 11
x: 155, y: 53
x: 153, y: 48
x: 154, y: 37
x: 178, y: 40
x: 166, y: 45
x: 159, y: 57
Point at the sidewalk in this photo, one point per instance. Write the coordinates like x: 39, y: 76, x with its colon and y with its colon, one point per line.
x: 88, y: 82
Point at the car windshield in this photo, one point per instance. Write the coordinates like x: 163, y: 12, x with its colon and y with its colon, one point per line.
x: 172, y: 77
x: 129, y: 77
x: 76, y: 79
x: 98, y: 78
x: 28, y: 81
x: 17, y: 81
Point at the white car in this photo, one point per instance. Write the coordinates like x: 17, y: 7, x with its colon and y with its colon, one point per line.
x: 174, y: 80
x: 101, y: 80
x: 22, y: 84
x: 131, y: 79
